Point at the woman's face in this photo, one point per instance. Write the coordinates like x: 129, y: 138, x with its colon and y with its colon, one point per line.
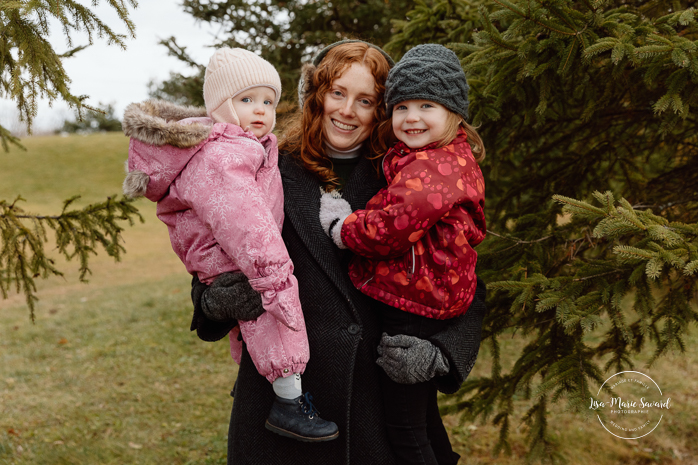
x: 349, y: 108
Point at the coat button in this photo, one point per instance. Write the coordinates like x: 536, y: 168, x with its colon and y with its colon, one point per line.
x: 353, y: 329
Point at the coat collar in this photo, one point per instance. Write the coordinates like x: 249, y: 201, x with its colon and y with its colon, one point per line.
x: 302, y: 207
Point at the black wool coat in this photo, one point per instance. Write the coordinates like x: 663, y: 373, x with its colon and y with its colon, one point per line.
x: 343, y: 331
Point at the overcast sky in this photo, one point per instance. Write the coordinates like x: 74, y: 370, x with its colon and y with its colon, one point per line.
x: 109, y: 74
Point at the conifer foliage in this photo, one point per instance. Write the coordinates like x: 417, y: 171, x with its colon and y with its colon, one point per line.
x: 285, y: 32
x: 30, y: 69
x: 575, y: 97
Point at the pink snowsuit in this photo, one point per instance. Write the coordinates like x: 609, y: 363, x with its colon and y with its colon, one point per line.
x: 221, y: 197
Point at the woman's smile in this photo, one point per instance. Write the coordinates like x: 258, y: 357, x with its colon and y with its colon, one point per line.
x: 346, y: 127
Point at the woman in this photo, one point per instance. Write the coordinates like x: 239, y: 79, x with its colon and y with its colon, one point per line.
x: 330, y: 144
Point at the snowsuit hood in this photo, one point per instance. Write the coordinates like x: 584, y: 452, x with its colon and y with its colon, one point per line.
x: 155, y: 123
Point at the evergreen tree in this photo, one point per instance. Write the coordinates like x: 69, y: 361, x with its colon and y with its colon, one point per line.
x: 574, y: 97
x: 30, y: 69
x: 103, y: 120
x: 286, y: 33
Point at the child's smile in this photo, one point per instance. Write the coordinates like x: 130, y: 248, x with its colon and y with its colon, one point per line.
x: 418, y: 123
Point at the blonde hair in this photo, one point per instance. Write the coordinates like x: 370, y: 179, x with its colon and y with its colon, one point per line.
x: 454, y: 122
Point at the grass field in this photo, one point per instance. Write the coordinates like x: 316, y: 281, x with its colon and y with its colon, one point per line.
x: 110, y: 374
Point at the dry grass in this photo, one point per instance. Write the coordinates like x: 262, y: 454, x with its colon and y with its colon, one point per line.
x: 110, y: 373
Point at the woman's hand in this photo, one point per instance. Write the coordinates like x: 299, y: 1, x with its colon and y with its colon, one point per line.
x: 217, y: 308
x: 333, y: 211
x: 410, y: 360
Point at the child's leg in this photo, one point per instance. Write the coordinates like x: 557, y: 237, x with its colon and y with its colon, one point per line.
x: 440, y: 442
x: 275, y: 350
x: 412, y: 417
x: 406, y: 421
x: 289, y: 387
x: 280, y: 355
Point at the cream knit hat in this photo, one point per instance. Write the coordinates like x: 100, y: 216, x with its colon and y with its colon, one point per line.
x: 231, y: 71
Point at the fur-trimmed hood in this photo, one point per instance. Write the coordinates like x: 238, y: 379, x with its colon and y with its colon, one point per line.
x: 164, y: 138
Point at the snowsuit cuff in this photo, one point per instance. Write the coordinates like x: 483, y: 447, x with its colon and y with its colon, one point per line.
x: 279, y: 292
x: 280, y: 373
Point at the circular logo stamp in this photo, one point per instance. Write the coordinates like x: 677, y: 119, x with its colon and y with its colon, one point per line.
x: 634, y: 408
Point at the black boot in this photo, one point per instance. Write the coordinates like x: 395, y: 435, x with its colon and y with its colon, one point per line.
x: 298, y: 419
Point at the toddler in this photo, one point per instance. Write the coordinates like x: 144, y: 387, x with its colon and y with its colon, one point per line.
x: 414, y: 242
x: 215, y: 179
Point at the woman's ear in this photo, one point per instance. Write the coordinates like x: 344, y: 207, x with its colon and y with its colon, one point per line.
x: 305, y: 82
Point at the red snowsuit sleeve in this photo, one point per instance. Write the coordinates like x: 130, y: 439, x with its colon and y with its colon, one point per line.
x: 426, y: 186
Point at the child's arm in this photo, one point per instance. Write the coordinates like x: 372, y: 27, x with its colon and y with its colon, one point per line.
x: 231, y: 204
x: 219, y: 307
x: 421, y: 194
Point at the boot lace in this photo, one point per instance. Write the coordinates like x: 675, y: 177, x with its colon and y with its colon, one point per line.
x: 308, y: 407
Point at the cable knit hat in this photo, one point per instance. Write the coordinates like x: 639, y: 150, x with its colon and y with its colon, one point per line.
x: 231, y: 71
x: 428, y: 72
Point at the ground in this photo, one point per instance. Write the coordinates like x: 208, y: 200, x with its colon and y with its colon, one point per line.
x: 111, y: 374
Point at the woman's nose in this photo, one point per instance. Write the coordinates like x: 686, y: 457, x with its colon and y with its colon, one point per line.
x: 348, y: 108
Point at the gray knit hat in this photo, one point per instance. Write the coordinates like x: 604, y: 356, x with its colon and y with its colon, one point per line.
x: 428, y: 72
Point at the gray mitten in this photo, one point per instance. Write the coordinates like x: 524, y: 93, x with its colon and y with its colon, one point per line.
x: 230, y: 297
x: 333, y: 211
x: 410, y: 360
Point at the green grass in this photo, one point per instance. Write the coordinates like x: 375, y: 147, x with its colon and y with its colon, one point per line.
x: 110, y: 373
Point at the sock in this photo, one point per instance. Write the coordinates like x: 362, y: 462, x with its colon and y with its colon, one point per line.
x: 289, y: 387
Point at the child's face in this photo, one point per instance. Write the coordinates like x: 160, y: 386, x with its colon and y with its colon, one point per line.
x: 419, y: 122
x: 255, y: 109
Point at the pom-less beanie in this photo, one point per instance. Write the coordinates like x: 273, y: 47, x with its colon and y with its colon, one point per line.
x: 231, y: 71
x: 428, y: 72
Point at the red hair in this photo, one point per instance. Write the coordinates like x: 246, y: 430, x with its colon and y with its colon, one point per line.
x: 304, y: 137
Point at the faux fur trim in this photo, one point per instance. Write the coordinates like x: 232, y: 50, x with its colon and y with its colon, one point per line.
x: 305, y: 82
x: 155, y: 122
x: 135, y: 184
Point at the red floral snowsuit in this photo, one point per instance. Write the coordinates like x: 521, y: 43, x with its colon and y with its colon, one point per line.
x: 414, y: 241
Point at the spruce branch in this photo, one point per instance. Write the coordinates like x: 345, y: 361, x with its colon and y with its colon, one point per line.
x: 78, y: 233
x: 30, y: 68
x: 589, y: 280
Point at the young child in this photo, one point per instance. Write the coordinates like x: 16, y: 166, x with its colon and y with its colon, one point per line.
x: 215, y: 179
x: 414, y: 241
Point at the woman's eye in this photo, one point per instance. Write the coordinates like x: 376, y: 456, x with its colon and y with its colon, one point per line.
x: 336, y: 93
x: 365, y: 101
